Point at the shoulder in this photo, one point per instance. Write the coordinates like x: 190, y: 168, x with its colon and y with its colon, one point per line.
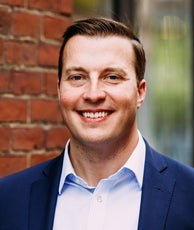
x: 26, y: 177
x: 169, y: 183
x: 171, y: 167
x: 178, y: 167
x: 183, y: 173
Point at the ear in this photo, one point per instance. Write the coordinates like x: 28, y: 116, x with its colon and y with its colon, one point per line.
x: 141, y: 93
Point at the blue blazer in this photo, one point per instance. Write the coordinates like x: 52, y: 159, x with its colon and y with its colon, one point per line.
x: 28, y: 198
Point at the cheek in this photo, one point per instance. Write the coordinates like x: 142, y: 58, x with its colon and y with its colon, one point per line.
x: 66, y: 99
x: 66, y: 106
x: 128, y: 97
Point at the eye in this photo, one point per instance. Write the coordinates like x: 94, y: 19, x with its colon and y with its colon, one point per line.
x: 76, y: 77
x: 113, y: 78
x: 77, y: 80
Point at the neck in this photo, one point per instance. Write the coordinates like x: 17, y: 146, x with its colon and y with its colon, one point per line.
x: 98, y: 161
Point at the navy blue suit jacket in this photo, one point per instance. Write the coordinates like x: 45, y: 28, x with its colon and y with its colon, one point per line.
x: 28, y: 198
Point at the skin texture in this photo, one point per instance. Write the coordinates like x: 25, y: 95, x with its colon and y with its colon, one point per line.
x: 99, y: 99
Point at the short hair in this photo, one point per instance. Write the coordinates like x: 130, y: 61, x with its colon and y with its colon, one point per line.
x: 103, y: 27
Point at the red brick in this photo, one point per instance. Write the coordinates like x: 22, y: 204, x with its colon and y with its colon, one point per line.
x: 27, y: 138
x: 48, y: 55
x: 39, y: 158
x: 19, y: 52
x: 4, y: 139
x: 13, y: 2
x: 4, y: 81
x: 12, y: 110
x: 48, y: 5
x: 51, y: 84
x: 11, y: 164
x: 45, y: 110
x: 31, y: 27
x: 66, y: 6
x: 26, y: 83
x: 5, y: 21
x: 54, y: 27
x: 57, y: 138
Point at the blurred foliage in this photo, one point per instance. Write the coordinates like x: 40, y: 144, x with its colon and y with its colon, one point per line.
x: 89, y: 7
x: 172, y: 82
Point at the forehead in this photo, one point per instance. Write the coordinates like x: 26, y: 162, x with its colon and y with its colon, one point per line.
x: 96, y: 49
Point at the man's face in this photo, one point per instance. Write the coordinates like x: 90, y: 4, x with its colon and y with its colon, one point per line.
x: 98, y: 91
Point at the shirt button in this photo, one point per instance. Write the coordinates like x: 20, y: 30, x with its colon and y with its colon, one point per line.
x: 99, y: 199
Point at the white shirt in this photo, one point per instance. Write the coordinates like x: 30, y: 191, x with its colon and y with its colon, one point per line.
x: 113, y: 205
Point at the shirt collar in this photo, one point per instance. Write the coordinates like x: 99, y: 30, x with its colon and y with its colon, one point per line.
x: 67, y: 167
x: 135, y: 163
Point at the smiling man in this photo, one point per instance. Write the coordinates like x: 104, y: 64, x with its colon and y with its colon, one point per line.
x: 99, y: 96
x: 107, y: 177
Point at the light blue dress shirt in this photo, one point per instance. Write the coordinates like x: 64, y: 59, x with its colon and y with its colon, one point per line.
x: 113, y: 205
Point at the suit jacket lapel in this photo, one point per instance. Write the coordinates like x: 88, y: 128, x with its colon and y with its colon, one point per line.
x: 157, y: 192
x: 43, y: 196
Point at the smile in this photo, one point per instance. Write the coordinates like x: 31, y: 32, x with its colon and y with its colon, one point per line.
x: 95, y: 115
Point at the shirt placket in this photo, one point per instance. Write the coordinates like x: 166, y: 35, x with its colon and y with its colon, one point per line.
x: 98, y: 206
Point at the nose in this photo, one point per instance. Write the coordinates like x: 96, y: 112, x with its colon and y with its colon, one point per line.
x: 94, y: 91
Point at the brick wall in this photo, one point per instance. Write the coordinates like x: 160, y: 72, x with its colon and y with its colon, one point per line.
x: 31, y: 129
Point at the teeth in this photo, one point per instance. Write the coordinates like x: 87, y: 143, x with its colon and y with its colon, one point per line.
x: 95, y: 115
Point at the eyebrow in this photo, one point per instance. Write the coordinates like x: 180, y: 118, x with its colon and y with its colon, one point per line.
x: 108, y: 69
x: 75, y: 69
x: 114, y: 69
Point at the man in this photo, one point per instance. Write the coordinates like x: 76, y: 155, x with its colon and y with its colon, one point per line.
x: 108, y: 177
